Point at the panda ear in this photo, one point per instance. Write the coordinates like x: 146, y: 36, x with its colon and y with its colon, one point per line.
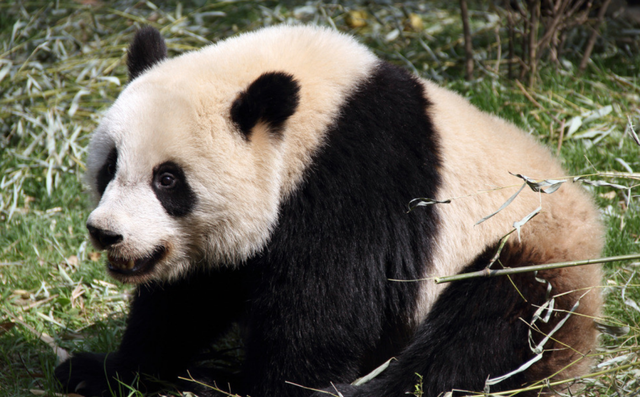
x: 146, y: 49
x: 272, y: 98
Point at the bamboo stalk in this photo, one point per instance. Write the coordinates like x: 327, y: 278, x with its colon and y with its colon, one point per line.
x: 561, y: 138
x: 468, y: 49
x: 562, y: 382
x: 533, y: 41
x: 512, y: 37
x: 524, y: 269
x: 594, y: 36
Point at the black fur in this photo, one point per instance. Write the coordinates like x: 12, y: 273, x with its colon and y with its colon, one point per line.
x: 317, y: 302
x: 147, y: 49
x: 107, y: 172
x: 177, y: 199
x: 272, y: 98
x: 168, y: 325
x: 323, y: 308
x: 319, y: 306
x: 474, y: 331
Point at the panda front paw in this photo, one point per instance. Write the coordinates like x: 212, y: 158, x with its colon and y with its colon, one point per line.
x: 89, y: 374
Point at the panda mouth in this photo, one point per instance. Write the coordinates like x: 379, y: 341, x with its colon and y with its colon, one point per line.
x: 131, y: 267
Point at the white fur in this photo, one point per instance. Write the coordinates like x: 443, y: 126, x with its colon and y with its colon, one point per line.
x: 180, y: 111
x: 479, y: 151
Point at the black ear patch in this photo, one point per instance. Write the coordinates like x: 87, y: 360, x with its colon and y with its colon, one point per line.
x: 146, y: 49
x: 272, y: 98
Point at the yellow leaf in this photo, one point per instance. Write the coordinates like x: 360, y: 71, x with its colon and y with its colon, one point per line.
x: 415, y: 22
x: 356, y: 19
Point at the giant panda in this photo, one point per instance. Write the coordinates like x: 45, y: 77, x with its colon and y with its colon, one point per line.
x: 264, y: 181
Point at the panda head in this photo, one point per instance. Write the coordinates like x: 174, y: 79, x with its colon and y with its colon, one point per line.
x: 187, y: 165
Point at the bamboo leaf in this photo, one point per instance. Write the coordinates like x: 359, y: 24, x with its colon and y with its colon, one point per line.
x: 546, y: 186
x: 612, y: 330
x: 423, y: 202
x: 598, y: 113
x: 574, y: 124
x: 76, y: 99
x: 503, y: 206
x: 520, y: 223
x: 601, y: 183
x: 632, y: 131
x: 632, y: 304
x: 372, y: 374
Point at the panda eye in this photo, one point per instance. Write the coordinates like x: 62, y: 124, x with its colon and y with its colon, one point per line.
x: 167, y: 180
x: 111, y: 169
x: 171, y: 187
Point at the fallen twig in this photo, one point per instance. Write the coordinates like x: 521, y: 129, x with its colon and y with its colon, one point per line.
x: 61, y: 353
x: 524, y: 269
x: 594, y: 36
x: 468, y: 50
x: 532, y: 100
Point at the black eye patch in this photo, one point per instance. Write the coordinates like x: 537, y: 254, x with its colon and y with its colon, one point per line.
x: 108, y: 171
x: 172, y: 189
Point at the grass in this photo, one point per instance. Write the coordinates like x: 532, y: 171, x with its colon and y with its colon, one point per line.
x: 62, y: 63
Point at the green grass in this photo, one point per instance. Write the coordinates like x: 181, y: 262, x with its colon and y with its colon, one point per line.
x: 62, y: 63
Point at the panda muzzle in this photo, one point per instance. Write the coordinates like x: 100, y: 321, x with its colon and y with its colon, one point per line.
x: 121, y: 263
x: 129, y: 266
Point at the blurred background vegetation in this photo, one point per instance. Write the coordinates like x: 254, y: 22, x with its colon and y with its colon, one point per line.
x: 63, y: 62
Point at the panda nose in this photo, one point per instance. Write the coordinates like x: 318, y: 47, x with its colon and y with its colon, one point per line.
x: 106, y: 238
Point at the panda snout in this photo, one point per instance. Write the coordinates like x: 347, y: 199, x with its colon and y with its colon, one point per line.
x: 105, y: 238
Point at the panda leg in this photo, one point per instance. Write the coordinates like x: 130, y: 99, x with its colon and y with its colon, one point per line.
x: 168, y: 324
x: 474, y: 331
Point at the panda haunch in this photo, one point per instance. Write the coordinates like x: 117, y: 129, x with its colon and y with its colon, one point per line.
x: 265, y: 179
